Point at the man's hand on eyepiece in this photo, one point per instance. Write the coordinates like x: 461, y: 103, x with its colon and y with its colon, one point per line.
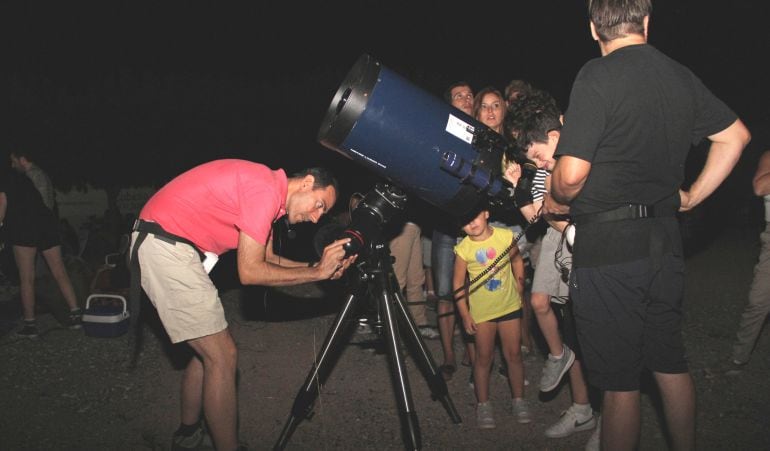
x: 333, y: 262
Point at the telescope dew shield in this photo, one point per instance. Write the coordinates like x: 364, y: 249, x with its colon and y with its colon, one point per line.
x: 397, y: 130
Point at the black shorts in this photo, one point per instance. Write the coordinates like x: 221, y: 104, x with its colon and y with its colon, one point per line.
x: 566, y: 318
x: 42, y: 232
x: 516, y: 314
x: 629, y: 317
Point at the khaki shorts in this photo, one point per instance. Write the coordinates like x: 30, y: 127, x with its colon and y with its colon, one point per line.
x: 547, y: 279
x: 174, y: 279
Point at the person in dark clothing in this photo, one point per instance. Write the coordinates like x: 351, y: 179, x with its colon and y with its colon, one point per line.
x: 633, y: 116
x: 30, y: 226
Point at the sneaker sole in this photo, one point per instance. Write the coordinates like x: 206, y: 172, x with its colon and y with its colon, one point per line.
x: 523, y: 420
x: 570, y: 361
x: 584, y: 427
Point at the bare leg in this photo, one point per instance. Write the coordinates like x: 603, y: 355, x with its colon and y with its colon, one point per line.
x: 192, y: 392
x: 470, y: 353
x: 485, y: 348
x: 59, y: 272
x: 546, y: 319
x: 446, y: 329
x: 219, y: 357
x: 526, y: 321
x: 578, y: 384
x: 25, y: 262
x: 620, y: 420
x: 510, y: 335
x: 678, y: 393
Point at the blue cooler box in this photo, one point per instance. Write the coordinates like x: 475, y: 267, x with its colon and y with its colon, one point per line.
x: 106, y: 315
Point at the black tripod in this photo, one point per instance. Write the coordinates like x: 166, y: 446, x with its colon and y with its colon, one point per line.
x: 376, y: 278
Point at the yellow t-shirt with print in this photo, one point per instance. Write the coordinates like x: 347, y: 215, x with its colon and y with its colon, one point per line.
x: 492, y: 296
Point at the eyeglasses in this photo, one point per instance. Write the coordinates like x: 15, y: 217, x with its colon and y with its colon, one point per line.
x: 462, y: 96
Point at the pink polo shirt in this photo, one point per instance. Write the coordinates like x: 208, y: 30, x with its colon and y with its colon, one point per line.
x: 211, y: 203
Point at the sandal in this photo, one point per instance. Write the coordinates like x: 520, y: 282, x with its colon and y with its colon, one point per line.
x: 447, y: 371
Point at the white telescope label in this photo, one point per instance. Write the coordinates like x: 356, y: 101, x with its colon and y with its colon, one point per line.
x: 459, y: 128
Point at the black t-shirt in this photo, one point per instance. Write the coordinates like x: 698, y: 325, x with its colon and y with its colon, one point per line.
x: 634, y: 114
x: 25, y: 204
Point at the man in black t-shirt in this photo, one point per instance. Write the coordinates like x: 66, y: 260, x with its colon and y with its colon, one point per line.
x: 633, y: 115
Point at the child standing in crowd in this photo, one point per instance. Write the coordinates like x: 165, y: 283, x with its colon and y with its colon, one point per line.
x: 491, y: 307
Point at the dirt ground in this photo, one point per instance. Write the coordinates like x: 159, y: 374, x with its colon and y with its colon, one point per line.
x: 68, y: 391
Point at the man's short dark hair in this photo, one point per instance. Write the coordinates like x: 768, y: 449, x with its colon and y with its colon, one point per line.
x: 448, y: 92
x: 615, y: 19
x: 531, y: 117
x: 322, y: 178
x: 516, y: 88
x: 24, y: 153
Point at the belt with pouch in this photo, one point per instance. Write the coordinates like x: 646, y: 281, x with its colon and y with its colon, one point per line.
x: 628, y: 211
x: 155, y: 229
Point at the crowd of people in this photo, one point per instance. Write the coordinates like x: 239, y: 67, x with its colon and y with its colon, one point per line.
x: 607, y: 286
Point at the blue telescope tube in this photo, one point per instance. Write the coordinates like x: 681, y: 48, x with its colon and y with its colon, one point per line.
x: 390, y: 126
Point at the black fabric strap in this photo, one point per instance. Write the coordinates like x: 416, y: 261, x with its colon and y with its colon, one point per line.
x: 135, y: 299
x: 630, y: 211
x: 155, y: 228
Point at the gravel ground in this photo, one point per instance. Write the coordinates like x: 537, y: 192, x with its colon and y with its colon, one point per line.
x: 66, y: 390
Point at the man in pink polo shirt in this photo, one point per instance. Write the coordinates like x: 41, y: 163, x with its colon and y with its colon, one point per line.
x: 202, y: 213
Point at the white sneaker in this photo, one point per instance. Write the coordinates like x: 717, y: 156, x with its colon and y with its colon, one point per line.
x: 569, y: 423
x: 484, y: 416
x: 520, y: 409
x: 555, y: 369
x: 428, y: 332
x: 594, y: 442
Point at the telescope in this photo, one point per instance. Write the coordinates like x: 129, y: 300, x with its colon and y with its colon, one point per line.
x: 422, y: 146
x: 417, y: 141
x: 414, y: 139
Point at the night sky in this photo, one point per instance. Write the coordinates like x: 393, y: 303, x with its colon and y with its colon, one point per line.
x: 165, y: 85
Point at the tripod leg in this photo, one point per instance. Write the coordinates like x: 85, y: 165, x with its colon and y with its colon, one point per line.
x: 435, y: 381
x: 409, y: 424
x: 303, y: 403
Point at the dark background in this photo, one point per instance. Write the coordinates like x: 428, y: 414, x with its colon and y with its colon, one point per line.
x: 124, y: 93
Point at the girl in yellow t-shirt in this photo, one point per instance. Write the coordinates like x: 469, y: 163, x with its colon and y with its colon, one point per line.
x: 494, y: 308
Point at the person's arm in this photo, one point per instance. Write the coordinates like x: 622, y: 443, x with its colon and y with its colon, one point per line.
x: 726, y: 148
x: 557, y: 222
x: 255, y: 269
x: 461, y: 294
x: 272, y: 257
x: 517, y: 268
x: 3, y: 207
x: 43, y: 185
x: 761, y: 181
x: 567, y: 179
x: 530, y: 211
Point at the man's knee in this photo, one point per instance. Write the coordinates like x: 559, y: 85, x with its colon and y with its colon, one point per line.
x: 445, y: 306
x: 541, y: 303
x: 217, y: 349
